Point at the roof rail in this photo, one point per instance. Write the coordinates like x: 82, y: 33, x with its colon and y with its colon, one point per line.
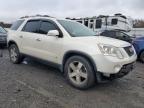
x: 36, y: 16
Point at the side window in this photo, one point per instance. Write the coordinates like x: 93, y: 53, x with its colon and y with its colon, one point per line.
x: 98, y: 23
x: 32, y: 26
x: 118, y: 34
x: 112, y: 34
x: 46, y: 27
x: 86, y: 23
x: 16, y: 24
x: 114, y: 21
x: 108, y: 33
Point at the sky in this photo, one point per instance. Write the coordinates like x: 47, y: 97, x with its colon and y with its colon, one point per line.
x: 11, y: 10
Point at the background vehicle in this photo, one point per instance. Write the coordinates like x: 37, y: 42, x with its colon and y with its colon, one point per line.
x: 117, y: 34
x: 138, y: 43
x: 106, y: 23
x: 102, y: 22
x: 3, y: 37
x: 83, y: 57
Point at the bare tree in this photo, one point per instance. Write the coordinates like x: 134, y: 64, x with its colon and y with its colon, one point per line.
x: 138, y: 23
x: 5, y: 25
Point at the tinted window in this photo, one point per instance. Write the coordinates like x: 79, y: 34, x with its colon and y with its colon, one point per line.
x: 46, y: 26
x: 98, y: 23
x: 32, y: 26
x: 121, y: 34
x: 16, y: 24
x: 86, y: 23
x: 108, y: 34
x: 114, y: 21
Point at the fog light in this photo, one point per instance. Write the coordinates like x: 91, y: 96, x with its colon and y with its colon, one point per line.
x: 117, y: 68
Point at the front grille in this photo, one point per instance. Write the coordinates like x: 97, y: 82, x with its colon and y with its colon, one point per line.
x: 129, y: 50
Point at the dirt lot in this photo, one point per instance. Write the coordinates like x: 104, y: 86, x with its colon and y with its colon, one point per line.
x: 35, y: 85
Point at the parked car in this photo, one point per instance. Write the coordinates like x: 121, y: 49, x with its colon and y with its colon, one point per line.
x: 117, y: 34
x: 139, y: 47
x: 137, y: 41
x: 83, y: 57
x: 3, y: 37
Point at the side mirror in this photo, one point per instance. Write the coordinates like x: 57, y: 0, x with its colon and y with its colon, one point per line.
x: 53, y: 33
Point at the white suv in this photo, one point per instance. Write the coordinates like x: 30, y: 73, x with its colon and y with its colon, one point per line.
x: 76, y: 50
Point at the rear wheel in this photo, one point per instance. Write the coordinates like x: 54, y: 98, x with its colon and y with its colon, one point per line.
x: 79, y: 72
x: 15, y: 56
x: 142, y: 57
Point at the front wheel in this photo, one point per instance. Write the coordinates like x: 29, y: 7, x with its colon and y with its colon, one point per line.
x: 15, y: 56
x: 142, y: 57
x: 79, y: 72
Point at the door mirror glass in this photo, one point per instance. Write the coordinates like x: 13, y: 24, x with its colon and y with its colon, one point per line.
x: 53, y: 33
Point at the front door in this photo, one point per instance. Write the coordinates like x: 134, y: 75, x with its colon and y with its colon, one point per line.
x: 48, y: 47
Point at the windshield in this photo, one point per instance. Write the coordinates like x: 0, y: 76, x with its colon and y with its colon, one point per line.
x: 2, y: 30
x: 76, y: 29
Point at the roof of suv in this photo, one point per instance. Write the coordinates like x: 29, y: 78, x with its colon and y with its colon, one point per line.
x: 40, y: 17
x: 30, y: 18
x: 43, y: 17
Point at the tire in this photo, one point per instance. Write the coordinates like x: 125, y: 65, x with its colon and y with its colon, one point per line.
x: 15, y: 56
x: 142, y: 57
x: 79, y: 72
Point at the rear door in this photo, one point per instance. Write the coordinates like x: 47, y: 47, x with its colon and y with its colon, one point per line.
x: 48, y: 47
x: 29, y: 35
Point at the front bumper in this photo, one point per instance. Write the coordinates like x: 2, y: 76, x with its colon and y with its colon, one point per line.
x: 108, y: 65
x: 124, y: 71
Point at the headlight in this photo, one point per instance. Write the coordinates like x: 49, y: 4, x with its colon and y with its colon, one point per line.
x: 110, y: 51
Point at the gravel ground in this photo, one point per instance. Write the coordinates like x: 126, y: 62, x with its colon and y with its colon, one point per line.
x: 35, y: 85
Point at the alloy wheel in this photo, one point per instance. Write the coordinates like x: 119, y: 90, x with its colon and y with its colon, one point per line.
x: 13, y: 54
x: 77, y: 72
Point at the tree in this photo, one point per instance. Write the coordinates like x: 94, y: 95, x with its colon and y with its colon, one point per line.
x: 138, y: 23
x: 5, y: 25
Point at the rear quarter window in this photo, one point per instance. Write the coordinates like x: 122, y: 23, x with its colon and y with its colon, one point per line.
x: 16, y: 24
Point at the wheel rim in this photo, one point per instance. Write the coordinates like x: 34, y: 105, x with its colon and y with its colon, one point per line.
x: 13, y: 54
x: 77, y: 72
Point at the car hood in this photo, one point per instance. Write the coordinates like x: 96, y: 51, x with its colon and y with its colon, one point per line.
x: 102, y: 40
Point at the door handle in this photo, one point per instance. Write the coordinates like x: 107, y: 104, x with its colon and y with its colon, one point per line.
x: 38, y: 39
x: 21, y: 36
